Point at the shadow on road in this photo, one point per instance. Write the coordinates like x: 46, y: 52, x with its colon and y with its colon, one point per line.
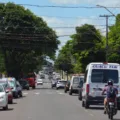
x: 9, y: 109
x: 43, y: 88
x: 96, y: 108
x: 74, y: 95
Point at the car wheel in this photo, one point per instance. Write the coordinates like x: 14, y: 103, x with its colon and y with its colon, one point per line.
x: 28, y: 88
x: 16, y: 96
x: 21, y: 94
x: 6, y: 107
x: 83, y: 104
x: 80, y: 96
x: 33, y: 87
x: 87, y: 105
x: 11, y: 102
x: 70, y: 92
x: 65, y: 91
x: 57, y: 88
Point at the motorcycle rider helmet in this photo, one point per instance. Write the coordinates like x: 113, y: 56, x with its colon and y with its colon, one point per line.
x: 110, y: 82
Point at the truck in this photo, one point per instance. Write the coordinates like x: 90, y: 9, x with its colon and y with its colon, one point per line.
x: 31, y: 78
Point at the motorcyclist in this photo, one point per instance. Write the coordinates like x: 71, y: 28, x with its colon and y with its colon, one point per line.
x: 106, y: 89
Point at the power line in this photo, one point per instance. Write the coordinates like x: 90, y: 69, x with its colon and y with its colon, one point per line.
x: 55, y: 6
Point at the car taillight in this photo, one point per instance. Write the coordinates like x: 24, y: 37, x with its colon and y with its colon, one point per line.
x: 87, y: 88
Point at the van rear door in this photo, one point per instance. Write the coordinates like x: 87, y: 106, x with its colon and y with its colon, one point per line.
x: 100, y: 75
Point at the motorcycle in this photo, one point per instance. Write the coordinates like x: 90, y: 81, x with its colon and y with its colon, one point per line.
x: 111, y: 109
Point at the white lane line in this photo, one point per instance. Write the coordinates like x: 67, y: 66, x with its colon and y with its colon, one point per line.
x: 61, y: 93
x: 91, y: 115
x: 25, y: 93
x: 37, y: 93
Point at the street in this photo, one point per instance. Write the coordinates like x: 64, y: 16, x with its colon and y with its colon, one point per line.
x: 47, y: 104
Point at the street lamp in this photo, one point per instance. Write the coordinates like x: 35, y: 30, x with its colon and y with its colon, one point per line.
x: 106, y: 9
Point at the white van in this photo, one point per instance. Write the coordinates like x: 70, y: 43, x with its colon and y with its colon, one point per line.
x: 96, y: 78
x: 75, y: 83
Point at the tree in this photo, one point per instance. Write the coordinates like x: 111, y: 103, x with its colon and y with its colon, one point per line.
x: 24, y: 37
x: 86, y: 46
x: 114, y: 42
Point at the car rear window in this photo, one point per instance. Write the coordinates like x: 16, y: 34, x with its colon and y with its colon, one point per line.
x: 103, y: 75
x: 63, y: 82
x: 76, y: 80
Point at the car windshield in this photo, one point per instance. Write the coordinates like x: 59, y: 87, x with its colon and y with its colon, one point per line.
x: 76, y: 80
x: 12, y: 83
x: 5, y: 85
x: 103, y: 75
x: 1, y: 88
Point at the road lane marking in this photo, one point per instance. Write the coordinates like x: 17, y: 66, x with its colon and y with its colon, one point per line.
x: 91, y: 115
x: 37, y: 93
x: 25, y: 93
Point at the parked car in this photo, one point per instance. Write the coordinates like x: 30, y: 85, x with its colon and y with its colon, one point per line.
x: 16, y: 87
x: 67, y: 86
x: 61, y: 84
x: 75, y: 83
x: 8, y: 89
x: 42, y: 76
x: 24, y: 84
x: 3, y: 98
x: 39, y: 81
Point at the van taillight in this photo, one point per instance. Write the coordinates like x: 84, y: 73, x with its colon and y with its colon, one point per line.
x: 87, y: 88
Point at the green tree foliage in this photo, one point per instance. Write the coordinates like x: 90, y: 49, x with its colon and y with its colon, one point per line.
x: 64, y: 60
x: 86, y: 46
x: 24, y: 37
x: 114, y: 42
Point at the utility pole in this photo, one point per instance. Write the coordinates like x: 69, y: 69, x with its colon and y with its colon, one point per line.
x: 107, y: 17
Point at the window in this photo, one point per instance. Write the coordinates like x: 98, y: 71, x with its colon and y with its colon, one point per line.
x: 76, y: 80
x: 1, y: 89
x: 103, y: 75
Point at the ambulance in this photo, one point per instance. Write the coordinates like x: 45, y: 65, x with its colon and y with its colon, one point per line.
x: 96, y: 77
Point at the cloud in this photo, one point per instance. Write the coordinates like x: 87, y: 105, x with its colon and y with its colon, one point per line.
x: 101, y: 2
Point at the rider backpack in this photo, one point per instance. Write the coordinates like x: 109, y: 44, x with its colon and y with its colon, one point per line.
x: 111, y: 93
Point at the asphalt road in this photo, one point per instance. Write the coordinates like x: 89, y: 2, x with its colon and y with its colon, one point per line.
x: 45, y: 103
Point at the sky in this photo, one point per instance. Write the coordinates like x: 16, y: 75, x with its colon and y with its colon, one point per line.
x: 71, y: 17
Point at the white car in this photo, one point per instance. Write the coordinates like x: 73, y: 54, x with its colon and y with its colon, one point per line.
x: 39, y: 81
x: 61, y: 84
x: 3, y: 98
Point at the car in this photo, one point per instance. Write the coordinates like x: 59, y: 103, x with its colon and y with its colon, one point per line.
x: 66, y: 88
x: 42, y: 76
x: 24, y: 84
x: 75, y: 83
x: 53, y: 83
x: 39, y: 81
x: 96, y: 77
x: 61, y: 84
x: 3, y: 98
x: 7, y: 88
x: 16, y: 87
